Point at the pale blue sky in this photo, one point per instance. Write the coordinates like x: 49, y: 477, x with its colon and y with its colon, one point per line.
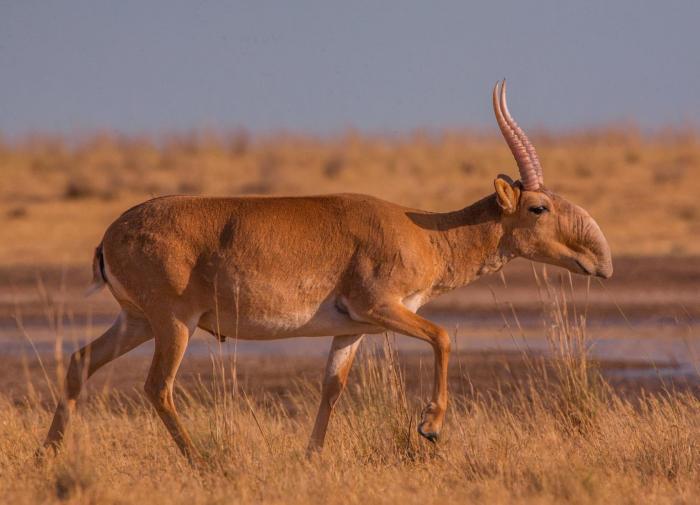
x: 322, y: 66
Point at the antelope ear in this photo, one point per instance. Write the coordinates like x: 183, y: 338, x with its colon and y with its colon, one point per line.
x: 507, y: 193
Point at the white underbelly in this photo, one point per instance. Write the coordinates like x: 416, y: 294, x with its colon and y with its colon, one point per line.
x: 332, y: 317
x: 325, y: 320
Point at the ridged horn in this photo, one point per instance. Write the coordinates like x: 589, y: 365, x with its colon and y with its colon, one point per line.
x: 528, y: 173
x: 532, y: 153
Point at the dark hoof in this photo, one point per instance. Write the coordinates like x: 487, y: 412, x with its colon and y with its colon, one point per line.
x: 43, y: 452
x: 430, y: 435
x: 313, y: 451
x: 40, y: 455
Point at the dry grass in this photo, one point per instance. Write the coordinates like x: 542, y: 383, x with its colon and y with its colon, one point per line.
x: 59, y: 194
x: 559, y: 435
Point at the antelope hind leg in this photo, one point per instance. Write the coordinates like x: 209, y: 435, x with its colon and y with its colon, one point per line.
x: 126, y: 333
x: 340, y: 359
x: 172, y: 337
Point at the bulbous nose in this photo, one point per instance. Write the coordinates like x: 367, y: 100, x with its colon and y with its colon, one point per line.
x: 601, y: 249
x: 591, y: 237
x: 605, y: 271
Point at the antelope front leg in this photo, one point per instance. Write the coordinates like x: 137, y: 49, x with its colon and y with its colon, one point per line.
x: 340, y: 359
x: 396, y: 317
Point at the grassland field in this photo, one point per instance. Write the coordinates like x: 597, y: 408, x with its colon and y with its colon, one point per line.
x: 570, y: 392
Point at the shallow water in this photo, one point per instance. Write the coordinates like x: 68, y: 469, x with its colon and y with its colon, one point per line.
x: 668, y: 352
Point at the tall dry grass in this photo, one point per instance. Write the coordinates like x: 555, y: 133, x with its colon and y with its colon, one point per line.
x: 560, y: 435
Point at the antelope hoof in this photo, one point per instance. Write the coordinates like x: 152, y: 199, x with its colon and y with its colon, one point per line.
x: 42, y: 453
x: 47, y: 450
x: 195, y: 459
x: 431, y: 423
x: 313, y: 449
x: 430, y: 435
x: 312, y: 453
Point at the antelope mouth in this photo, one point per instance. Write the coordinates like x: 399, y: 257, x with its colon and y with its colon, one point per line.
x: 585, y: 270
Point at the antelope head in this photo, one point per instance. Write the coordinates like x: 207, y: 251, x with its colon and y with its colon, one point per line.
x: 539, y: 224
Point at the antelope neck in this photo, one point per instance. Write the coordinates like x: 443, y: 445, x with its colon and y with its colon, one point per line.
x: 470, y: 242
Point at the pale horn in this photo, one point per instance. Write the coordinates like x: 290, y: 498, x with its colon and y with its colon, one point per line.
x: 521, y: 135
x: 528, y: 172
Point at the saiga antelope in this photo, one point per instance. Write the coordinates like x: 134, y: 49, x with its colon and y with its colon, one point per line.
x: 343, y: 265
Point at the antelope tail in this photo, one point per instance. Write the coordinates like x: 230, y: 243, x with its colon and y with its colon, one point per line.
x: 99, y: 280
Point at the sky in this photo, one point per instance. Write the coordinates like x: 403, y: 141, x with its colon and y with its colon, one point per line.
x: 322, y: 67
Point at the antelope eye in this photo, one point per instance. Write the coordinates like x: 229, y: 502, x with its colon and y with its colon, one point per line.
x: 538, y: 210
